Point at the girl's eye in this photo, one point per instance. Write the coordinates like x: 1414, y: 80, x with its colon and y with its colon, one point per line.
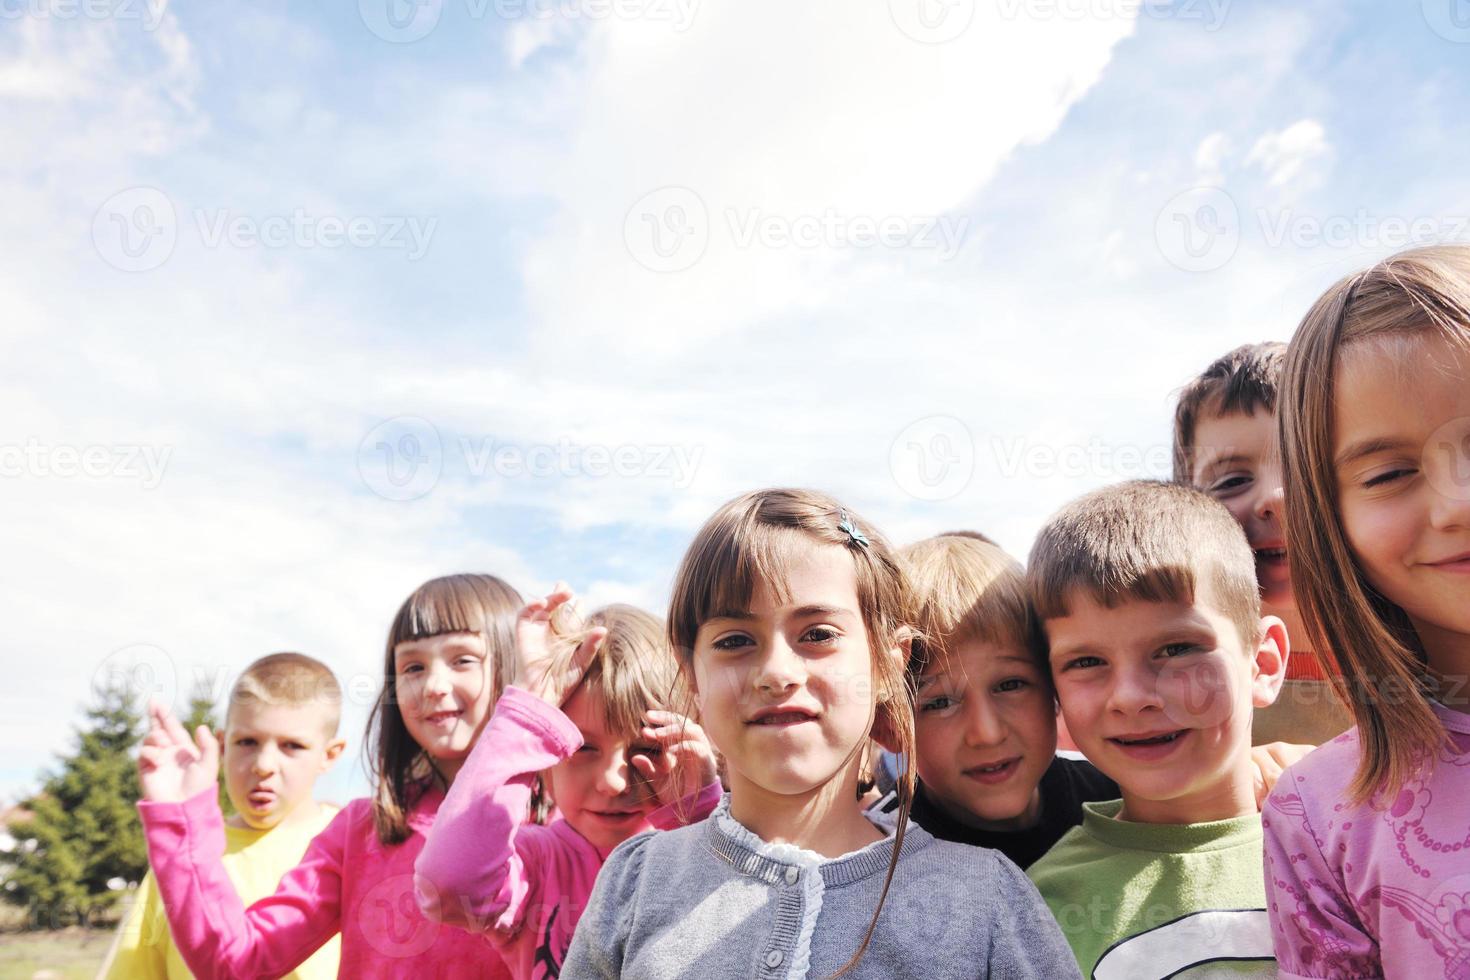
x: 1387, y: 477
x: 410, y: 668
x: 652, y: 751
x: 819, y: 634
x: 940, y: 702
x: 467, y: 659
x: 586, y: 749
x: 1083, y: 663
x: 731, y: 642
x: 1230, y: 483
x: 1012, y: 684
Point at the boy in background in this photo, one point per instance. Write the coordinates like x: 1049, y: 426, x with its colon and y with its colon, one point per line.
x: 280, y: 735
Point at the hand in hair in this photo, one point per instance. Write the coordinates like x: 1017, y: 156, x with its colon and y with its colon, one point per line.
x: 542, y: 666
x: 686, y: 762
x: 1271, y: 761
x: 172, y: 766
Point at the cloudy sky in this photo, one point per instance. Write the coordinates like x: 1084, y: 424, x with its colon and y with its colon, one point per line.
x: 303, y: 304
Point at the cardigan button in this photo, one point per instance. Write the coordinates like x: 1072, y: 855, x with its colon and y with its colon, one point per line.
x: 774, y: 958
x: 791, y: 875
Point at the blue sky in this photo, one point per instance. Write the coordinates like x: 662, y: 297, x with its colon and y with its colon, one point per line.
x: 279, y: 289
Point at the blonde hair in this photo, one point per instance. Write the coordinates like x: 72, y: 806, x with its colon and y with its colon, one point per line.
x: 1423, y: 292
x: 753, y: 539
x: 633, y: 670
x: 1146, y: 540
x: 481, y: 604
x: 291, y: 679
x: 1244, y: 381
x: 965, y: 587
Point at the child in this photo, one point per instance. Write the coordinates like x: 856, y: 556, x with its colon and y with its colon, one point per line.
x: 448, y: 655
x: 1225, y: 444
x: 585, y: 709
x: 1147, y: 596
x: 789, y: 615
x: 280, y: 734
x: 1366, y: 844
x: 986, y: 730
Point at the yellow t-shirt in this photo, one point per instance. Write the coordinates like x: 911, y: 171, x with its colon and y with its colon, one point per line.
x: 255, y: 860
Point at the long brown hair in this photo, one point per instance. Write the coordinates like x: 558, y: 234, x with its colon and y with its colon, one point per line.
x: 1419, y: 293
x: 466, y: 603
x: 752, y: 539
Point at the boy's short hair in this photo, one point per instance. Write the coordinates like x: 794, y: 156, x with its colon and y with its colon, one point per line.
x: 1145, y: 540
x: 966, y: 588
x: 1242, y: 381
x: 293, y: 680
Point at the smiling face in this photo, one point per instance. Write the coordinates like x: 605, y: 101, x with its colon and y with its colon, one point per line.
x: 1159, y: 696
x: 597, y: 790
x: 1403, y: 480
x: 1236, y: 462
x: 273, y: 754
x: 986, y: 731
x: 785, y: 689
x: 443, y: 687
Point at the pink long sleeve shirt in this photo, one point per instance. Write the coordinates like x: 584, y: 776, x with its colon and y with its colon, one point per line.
x: 488, y: 870
x: 1377, y: 890
x: 347, y: 882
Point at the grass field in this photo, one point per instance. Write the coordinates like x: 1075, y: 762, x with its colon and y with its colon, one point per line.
x: 67, y: 954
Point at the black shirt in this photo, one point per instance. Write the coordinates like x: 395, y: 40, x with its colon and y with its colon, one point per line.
x: 1065, y: 786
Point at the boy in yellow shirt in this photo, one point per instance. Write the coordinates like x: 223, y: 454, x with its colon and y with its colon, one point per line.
x: 280, y: 735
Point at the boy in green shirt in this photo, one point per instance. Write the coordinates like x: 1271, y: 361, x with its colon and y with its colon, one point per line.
x: 1147, y: 595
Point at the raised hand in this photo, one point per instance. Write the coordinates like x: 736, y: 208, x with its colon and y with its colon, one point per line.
x: 172, y: 766
x: 687, y: 762
x: 538, y: 665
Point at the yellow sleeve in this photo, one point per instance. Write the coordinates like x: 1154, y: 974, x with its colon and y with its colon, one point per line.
x: 140, y: 949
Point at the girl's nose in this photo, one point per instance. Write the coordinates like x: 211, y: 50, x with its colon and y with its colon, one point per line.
x: 780, y: 669
x: 613, y: 779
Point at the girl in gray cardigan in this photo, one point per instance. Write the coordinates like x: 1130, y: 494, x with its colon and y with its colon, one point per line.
x: 790, y: 615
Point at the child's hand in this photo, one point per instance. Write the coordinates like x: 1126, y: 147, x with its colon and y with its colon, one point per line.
x: 536, y: 667
x: 687, y: 762
x: 172, y: 766
x: 1270, y: 761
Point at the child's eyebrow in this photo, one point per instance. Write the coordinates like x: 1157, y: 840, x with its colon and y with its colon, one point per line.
x: 1368, y: 447
x: 1230, y: 460
x: 1086, y: 649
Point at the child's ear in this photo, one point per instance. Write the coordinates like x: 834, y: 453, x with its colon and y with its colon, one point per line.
x: 334, y: 750
x: 1269, y: 665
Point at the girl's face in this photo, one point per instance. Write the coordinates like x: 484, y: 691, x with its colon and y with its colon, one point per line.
x: 1402, y: 454
x: 443, y: 688
x: 597, y: 790
x: 785, y: 690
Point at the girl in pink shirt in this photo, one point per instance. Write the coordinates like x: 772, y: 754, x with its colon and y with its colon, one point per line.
x: 583, y: 713
x: 449, y: 652
x: 1367, y: 850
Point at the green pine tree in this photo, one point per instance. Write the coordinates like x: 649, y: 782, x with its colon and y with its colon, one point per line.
x: 84, y: 831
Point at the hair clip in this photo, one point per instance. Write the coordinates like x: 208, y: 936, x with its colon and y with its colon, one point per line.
x: 853, y: 534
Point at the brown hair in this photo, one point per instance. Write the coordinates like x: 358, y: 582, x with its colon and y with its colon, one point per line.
x: 481, y: 604
x: 966, y: 588
x: 1423, y: 292
x: 1244, y: 381
x: 633, y: 670
x: 753, y: 539
x: 292, y: 679
x: 1146, y: 540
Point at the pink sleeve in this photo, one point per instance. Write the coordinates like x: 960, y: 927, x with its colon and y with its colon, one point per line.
x: 691, y: 809
x: 214, y: 932
x: 472, y: 872
x: 1314, y: 928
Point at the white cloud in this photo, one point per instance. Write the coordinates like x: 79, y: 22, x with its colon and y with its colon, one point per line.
x: 1286, y: 155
